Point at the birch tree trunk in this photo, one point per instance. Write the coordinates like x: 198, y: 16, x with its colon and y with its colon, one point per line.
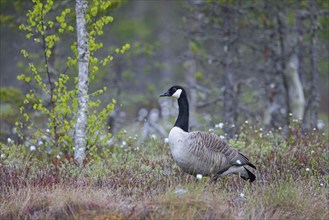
x: 83, y: 82
x: 295, y: 88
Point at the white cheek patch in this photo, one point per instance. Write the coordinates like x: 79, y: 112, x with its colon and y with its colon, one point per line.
x: 177, y: 94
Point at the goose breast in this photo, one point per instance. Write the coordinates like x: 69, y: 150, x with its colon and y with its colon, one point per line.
x: 191, y: 153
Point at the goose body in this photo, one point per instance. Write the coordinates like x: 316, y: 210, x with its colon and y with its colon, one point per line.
x: 200, y: 152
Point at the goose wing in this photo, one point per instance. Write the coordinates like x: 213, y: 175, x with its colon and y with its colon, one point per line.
x: 211, y: 144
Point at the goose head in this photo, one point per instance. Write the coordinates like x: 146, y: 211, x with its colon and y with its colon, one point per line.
x: 183, y: 108
x: 175, y: 92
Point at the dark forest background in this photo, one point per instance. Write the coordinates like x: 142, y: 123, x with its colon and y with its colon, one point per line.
x: 261, y: 61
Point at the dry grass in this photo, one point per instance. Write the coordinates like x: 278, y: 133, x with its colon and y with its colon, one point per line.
x: 201, y: 201
x: 147, y: 184
x: 288, y: 200
x: 58, y: 201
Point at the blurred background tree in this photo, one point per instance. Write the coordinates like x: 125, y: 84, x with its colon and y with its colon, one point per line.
x: 260, y: 61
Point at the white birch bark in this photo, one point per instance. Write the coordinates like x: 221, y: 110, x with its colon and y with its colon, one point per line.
x: 295, y: 88
x: 83, y: 82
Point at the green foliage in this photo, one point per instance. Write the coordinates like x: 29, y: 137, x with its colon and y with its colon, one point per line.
x: 60, y: 106
x: 10, y: 101
x: 9, y: 11
x: 11, y: 95
x: 324, y: 24
x: 129, y: 27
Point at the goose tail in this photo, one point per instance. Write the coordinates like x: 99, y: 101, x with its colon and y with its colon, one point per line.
x: 248, y: 175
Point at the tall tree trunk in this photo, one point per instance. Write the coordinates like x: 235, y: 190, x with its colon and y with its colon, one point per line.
x: 83, y: 82
x: 282, y: 65
x: 295, y: 88
x: 314, y: 99
x: 191, y: 82
x: 300, y: 44
x: 231, y: 99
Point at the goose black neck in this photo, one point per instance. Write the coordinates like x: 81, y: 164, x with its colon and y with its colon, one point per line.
x: 183, y: 115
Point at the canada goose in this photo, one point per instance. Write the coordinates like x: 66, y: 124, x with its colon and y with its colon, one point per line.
x: 199, y: 152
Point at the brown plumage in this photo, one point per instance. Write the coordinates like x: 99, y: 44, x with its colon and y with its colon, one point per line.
x: 206, y: 154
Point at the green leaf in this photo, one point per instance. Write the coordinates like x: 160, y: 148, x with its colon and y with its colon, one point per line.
x: 48, y: 53
x: 27, y: 79
x: 94, y: 11
x: 63, y: 25
x: 29, y: 35
x: 24, y: 52
x: 21, y: 77
x: 51, y: 24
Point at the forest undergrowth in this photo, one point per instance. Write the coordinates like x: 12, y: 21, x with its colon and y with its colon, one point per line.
x: 141, y: 181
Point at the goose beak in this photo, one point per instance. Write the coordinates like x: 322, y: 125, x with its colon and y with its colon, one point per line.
x: 165, y: 94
